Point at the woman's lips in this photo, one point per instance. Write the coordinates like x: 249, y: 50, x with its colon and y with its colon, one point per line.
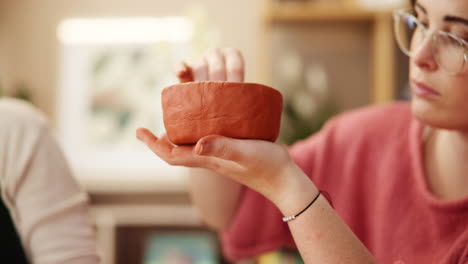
x: 422, y: 90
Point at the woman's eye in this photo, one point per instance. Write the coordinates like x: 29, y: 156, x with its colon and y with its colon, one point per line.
x: 422, y: 20
x: 424, y: 23
x: 462, y: 35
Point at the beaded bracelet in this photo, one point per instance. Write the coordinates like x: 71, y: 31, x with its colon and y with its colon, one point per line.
x: 292, y: 217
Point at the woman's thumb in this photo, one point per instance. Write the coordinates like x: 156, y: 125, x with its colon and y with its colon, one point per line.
x: 219, y: 147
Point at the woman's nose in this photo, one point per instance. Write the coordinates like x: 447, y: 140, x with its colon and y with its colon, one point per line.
x: 423, y: 56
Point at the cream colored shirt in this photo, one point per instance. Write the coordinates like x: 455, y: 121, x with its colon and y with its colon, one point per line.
x: 49, y: 209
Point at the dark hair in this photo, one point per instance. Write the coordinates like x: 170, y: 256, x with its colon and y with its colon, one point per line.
x: 413, y: 2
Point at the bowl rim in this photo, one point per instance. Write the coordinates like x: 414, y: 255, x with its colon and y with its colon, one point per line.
x: 228, y: 82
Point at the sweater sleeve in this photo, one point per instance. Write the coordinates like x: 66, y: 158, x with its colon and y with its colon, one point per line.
x: 49, y: 209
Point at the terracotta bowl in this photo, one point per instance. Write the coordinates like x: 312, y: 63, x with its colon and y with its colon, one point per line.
x: 238, y: 110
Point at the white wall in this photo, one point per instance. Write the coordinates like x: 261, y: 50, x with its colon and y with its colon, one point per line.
x: 30, y: 45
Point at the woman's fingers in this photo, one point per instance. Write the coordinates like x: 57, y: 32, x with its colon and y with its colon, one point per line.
x: 200, y: 71
x: 211, y: 157
x: 170, y: 153
x: 162, y: 148
x: 216, y: 65
x: 184, y: 72
x: 234, y: 65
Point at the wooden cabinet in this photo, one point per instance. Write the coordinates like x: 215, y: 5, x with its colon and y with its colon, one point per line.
x: 383, y: 74
x: 126, y: 222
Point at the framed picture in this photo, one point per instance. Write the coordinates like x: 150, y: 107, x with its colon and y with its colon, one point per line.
x: 112, y: 71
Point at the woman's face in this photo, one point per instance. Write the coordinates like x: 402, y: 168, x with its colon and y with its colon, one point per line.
x: 440, y: 99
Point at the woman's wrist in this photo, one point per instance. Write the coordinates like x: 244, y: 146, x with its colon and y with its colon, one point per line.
x: 295, y: 191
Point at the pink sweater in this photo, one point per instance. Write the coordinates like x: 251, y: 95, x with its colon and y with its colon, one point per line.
x: 370, y: 161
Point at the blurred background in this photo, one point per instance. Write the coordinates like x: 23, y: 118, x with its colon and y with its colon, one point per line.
x: 96, y: 69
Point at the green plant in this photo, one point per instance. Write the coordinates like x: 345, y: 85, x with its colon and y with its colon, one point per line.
x: 299, y: 127
x: 21, y: 91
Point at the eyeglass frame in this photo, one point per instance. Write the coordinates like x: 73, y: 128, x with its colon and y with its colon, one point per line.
x: 399, y: 13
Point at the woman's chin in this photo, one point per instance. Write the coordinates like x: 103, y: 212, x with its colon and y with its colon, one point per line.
x: 426, y: 112
x: 434, y: 115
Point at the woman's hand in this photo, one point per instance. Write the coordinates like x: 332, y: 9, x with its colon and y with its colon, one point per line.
x: 261, y: 165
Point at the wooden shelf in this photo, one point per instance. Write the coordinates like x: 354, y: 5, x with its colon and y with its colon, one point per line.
x: 319, y: 11
x: 383, y: 60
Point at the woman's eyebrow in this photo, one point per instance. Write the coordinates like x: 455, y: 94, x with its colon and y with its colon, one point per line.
x: 419, y: 6
x: 454, y: 19
x: 447, y: 18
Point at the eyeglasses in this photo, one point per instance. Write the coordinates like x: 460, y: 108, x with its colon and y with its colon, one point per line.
x: 450, y: 52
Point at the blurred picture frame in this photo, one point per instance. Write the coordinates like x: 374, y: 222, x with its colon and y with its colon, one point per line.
x: 191, y: 247
x: 111, y: 74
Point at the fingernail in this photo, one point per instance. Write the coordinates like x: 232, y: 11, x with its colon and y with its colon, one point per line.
x: 201, y: 148
x: 138, y: 134
x: 198, y: 149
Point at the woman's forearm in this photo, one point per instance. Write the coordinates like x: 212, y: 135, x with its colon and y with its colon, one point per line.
x: 323, y: 237
x: 215, y: 197
x: 320, y: 234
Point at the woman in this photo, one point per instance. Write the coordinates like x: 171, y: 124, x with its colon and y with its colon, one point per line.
x: 397, y: 173
x: 43, y: 212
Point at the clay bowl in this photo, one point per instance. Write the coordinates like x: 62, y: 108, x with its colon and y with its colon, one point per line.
x: 238, y: 110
